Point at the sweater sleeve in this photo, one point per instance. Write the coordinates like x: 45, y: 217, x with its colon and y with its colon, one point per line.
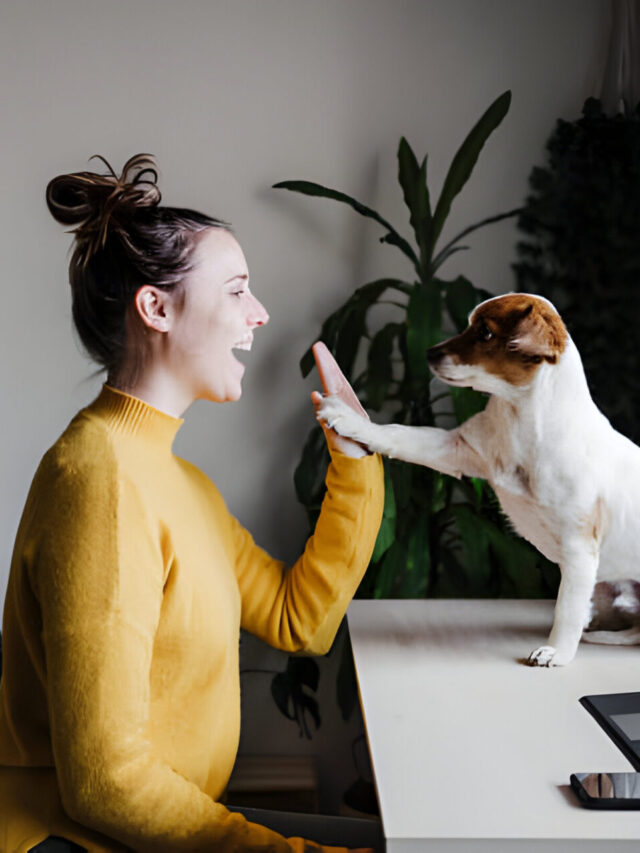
x: 300, y: 609
x: 97, y: 572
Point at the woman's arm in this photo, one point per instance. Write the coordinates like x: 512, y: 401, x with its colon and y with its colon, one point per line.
x: 301, y: 608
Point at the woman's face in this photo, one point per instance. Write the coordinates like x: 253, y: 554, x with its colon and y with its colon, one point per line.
x: 218, y: 315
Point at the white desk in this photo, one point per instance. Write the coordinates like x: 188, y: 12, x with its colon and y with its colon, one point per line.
x: 471, y: 750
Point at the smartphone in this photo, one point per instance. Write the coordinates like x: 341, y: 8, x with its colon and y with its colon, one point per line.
x: 607, y: 790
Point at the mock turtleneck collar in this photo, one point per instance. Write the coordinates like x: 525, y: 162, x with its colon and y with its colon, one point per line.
x: 132, y: 416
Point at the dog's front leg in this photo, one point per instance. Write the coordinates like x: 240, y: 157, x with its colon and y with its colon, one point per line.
x: 444, y: 450
x: 579, y: 566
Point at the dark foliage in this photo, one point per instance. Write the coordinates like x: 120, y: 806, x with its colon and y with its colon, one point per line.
x: 581, y: 249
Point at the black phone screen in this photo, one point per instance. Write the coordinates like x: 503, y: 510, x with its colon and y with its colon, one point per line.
x: 607, y: 790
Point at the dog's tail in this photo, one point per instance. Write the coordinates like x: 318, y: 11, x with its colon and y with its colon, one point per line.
x: 628, y: 637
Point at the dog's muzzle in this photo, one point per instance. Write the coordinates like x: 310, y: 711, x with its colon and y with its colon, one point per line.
x: 435, y: 355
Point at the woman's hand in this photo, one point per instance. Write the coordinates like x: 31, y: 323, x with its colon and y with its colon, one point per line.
x: 334, y: 382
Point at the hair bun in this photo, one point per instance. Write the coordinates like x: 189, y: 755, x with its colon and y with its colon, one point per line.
x: 97, y: 203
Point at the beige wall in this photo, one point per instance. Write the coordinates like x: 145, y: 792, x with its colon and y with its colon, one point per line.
x: 232, y: 97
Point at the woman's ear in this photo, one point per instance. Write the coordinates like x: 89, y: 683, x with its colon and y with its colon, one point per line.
x: 154, y: 307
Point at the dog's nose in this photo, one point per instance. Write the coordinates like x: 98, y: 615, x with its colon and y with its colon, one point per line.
x: 435, y: 354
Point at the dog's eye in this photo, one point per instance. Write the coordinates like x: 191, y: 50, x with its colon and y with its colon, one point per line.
x: 484, y: 332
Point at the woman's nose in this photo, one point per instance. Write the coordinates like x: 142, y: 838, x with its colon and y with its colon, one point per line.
x: 258, y: 313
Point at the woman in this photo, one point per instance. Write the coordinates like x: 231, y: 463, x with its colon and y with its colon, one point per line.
x: 119, y: 702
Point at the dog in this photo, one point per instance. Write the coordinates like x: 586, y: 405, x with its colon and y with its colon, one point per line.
x: 568, y: 482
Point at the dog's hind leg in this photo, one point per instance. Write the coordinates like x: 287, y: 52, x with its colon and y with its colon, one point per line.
x: 628, y: 637
x: 616, y: 614
x: 627, y: 599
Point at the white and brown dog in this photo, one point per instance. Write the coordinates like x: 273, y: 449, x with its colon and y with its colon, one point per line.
x: 568, y: 482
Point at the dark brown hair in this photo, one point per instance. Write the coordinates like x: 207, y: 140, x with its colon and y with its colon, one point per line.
x: 124, y: 239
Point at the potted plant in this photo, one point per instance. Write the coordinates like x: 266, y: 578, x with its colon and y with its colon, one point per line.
x: 439, y: 536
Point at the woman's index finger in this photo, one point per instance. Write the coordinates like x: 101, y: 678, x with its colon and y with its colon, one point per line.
x: 333, y: 379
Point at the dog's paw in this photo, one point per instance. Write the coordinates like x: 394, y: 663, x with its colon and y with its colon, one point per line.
x: 543, y: 656
x: 341, y: 417
x: 551, y: 656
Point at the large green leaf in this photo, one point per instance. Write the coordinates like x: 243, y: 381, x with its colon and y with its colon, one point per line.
x: 343, y: 330
x: 401, y: 473
x: 310, y: 473
x: 465, y: 160
x: 494, y: 555
x: 329, y: 334
x: 474, y: 533
x: 391, y: 569
x: 352, y: 331
x: 440, y: 491
x: 413, y: 180
x: 519, y: 564
x: 451, y: 581
x: 466, y: 402
x: 415, y: 580
x: 387, y: 530
x: 380, y: 365
x: 424, y: 324
x: 313, y: 189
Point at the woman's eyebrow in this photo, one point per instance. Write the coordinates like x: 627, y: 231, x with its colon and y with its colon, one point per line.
x: 233, y: 278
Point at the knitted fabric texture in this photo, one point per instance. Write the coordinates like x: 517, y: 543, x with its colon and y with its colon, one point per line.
x: 130, y: 580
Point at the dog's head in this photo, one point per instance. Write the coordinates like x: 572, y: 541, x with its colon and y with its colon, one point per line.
x: 507, y: 341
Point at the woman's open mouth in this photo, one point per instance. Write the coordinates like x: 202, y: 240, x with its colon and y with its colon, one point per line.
x: 243, y: 345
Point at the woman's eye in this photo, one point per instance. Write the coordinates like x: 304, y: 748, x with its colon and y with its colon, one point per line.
x: 237, y: 292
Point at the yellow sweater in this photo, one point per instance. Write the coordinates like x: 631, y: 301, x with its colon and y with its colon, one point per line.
x: 120, y: 696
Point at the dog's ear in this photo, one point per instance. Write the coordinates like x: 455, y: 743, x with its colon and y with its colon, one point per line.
x: 539, y: 333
